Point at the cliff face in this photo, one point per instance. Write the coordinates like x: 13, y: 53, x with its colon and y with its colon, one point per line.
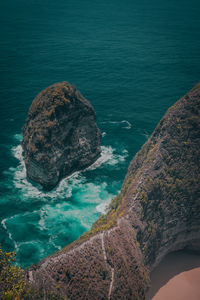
x: 156, y: 212
x: 170, y: 193
x: 60, y: 135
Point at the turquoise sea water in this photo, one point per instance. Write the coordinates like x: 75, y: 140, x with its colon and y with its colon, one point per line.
x: 130, y: 59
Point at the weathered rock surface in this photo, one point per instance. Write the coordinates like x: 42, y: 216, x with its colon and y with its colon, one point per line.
x: 60, y: 135
x: 156, y: 212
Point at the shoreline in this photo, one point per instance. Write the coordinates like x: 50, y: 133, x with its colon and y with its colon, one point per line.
x: 172, y: 265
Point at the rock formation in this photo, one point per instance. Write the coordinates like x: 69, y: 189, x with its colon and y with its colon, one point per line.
x: 156, y: 212
x: 60, y: 135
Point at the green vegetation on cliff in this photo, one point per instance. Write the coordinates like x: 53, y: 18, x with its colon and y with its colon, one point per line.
x: 12, y: 279
x: 13, y: 283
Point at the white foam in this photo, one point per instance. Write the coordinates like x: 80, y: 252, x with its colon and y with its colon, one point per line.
x: 109, y: 157
x: 102, y: 207
x: 64, y: 189
x: 52, y: 242
x: 43, y: 215
x: 20, y: 244
x: 76, y: 182
x: 85, y: 225
x: 128, y: 124
x: 3, y: 222
x: 18, y: 137
x: 17, y: 152
x: 29, y: 190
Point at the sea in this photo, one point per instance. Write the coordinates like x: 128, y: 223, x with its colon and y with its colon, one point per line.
x: 131, y: 59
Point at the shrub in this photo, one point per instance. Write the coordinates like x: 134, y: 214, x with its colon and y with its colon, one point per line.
x: 12, y: 279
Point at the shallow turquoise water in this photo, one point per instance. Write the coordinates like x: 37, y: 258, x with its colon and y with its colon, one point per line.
x: 131, y: 59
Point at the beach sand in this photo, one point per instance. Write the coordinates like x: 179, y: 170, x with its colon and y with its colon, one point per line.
x: 181, y: 287
x: 177, y: 277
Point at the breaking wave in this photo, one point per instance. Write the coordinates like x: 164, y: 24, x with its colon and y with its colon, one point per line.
x: 44, y: 222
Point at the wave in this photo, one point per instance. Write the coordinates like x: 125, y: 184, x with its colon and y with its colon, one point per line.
x: 125, y: 124
x: 28, y: 189
x: 64, y: 189
x: 56, y: 247
x: 109, y: 157
x: 18, y: 137
x: 73, y: 185
x: 43, y: 215
x: 102, y: 207
x: 3, y: 223
x: 128, y: 124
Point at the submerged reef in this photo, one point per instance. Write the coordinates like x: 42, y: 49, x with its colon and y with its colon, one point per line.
x: 156, y: 212
x: 60, y: 135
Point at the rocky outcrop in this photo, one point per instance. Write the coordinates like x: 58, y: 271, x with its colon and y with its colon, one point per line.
x: 60, y: 135
x: 156, y: 212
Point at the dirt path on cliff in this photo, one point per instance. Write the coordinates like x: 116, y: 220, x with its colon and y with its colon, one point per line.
x: 109, y: 266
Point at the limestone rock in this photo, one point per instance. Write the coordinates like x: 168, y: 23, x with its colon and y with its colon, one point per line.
x: 60, y: 135
x: 156, y: 212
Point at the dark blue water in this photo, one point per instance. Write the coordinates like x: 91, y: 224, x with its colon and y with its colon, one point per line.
x: 130, y: 59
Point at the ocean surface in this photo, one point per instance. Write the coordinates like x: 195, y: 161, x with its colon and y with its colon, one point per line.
x: 131, y: 59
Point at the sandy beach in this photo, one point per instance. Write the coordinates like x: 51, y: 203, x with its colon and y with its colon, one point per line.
x: 176, y: 277
x: 181, y: 287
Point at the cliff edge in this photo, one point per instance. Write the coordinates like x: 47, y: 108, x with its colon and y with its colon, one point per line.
x: 156, y: 212
x: 60, y: 135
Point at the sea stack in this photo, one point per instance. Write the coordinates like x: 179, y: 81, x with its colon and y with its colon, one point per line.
x: 60, y: 135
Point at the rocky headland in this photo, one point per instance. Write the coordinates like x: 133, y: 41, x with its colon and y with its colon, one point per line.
x: 156, y: 212
x: 60, y: 135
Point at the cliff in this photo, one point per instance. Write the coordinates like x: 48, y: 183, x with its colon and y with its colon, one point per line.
x: 60, y: 135
x: 156, y: 212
